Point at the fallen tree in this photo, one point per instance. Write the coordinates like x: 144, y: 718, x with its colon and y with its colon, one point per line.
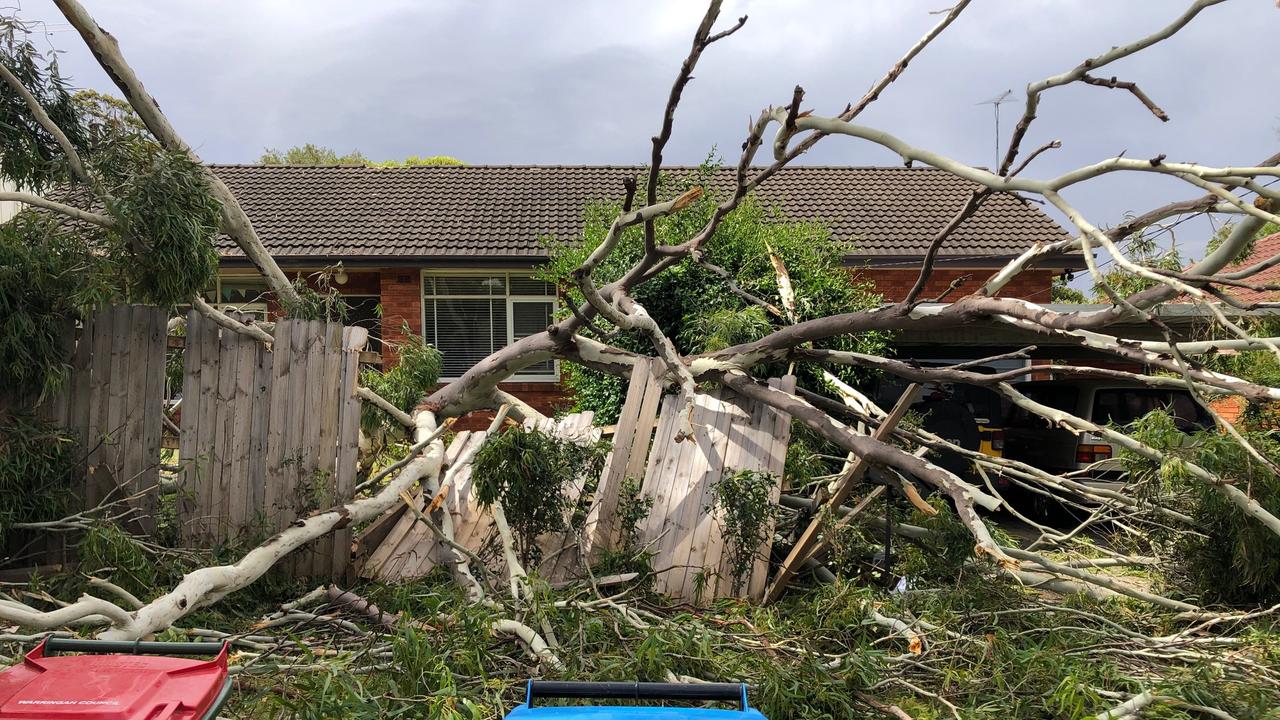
x: 606, y: 304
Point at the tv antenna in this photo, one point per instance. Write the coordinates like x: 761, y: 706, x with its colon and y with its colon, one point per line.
x: 995, y: 107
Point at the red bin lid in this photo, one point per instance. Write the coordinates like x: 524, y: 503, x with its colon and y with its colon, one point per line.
x: 112, y: 687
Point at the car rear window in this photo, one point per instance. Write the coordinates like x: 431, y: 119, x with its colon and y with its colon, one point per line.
x: 1121, y: 406
x: 1057, y: 397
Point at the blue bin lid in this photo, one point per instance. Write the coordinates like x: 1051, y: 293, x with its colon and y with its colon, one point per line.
x: 613, y: 712
x: 529, y: 710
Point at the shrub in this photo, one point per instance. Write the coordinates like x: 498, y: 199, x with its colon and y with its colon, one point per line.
x: 747, y: 512
x: 38, y: 464
x: 527, y: 471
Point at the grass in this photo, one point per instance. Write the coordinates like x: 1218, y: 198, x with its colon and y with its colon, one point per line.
x: 1011, y: 656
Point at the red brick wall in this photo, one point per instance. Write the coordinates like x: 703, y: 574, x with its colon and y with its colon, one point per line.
x: 401, y: 291
x: 895, y: 283
x: 546, y: 398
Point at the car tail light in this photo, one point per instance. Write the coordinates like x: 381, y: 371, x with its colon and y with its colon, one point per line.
x: 997, y: 439
x: 1088, y: 454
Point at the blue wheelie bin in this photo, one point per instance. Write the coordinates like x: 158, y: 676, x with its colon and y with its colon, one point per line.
x: 735, y: 693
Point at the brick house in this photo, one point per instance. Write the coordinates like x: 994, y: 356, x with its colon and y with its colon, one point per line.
x: 447, y: 251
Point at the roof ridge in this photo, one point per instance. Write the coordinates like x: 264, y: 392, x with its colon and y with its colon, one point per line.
x: 536, y: 166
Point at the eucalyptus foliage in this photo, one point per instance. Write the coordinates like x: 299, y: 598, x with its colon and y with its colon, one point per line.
x: 37, y: 464
x: 1230, y: 558
x: 404, y: 384
x: 692, y: 304
x: 31, y: 157
x: 322, y: 302
x: 159, y: 248
x: 48, y: 276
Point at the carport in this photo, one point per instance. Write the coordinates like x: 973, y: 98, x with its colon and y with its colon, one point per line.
x: 990, y: 337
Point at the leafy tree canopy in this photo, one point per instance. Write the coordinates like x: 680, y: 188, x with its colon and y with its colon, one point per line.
x: 310, y: 154
x: 693, y: 304
x: 156, y: 245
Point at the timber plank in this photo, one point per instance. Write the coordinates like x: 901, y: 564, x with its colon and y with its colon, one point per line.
x: 666, y: 489
x: 702, y: 469
x: 278, y: 420
x: 648, y: 420
x: 236, y: 473
x: 330, y: 376
x: 428, y: 551
x: 132, y: 454
x: 353, y: 340
x: 688, y: 469
x: 657, y: 477
x: 706, y: 472
x: 79, y: 418
x: 116, y: 387
x: 779, y: 424
x: 296, y: 402
x: 741, y: 453
x: 100, y: 376
x: 379, y: 564
x: 152, y: 413
x: 206, y: 425
x: 416, y: 545
x: 218, y: 505
x: 187, y: 439
x: 256, y: 474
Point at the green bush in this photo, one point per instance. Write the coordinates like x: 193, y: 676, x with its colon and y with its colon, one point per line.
x: 38, y: 464
x: 527, y: 471
x: 747, y: 511
x: 48, y: 277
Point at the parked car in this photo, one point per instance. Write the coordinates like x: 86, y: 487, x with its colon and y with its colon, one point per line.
x: 968, y: 415
x: 1031, y: 439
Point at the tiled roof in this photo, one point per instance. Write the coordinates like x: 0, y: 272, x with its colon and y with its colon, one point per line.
x: 503, y: 211
x: 1263, y: 249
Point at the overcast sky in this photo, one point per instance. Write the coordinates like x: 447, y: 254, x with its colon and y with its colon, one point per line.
x: 584, y: 82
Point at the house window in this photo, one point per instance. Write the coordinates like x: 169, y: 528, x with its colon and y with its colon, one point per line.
x: 240, y: 293
x: 468, y: 316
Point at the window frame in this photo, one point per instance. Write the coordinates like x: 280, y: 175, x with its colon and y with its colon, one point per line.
x: 553, y: 300
x: 259, y: 308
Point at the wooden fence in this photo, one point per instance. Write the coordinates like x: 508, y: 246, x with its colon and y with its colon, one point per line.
x: 113, y: 391
x: 684, y: 529
x: 269, y: 435
x: 686, y: 539
x: 112, y: 402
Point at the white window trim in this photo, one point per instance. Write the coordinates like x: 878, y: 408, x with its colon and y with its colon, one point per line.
x: 554, y: 299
